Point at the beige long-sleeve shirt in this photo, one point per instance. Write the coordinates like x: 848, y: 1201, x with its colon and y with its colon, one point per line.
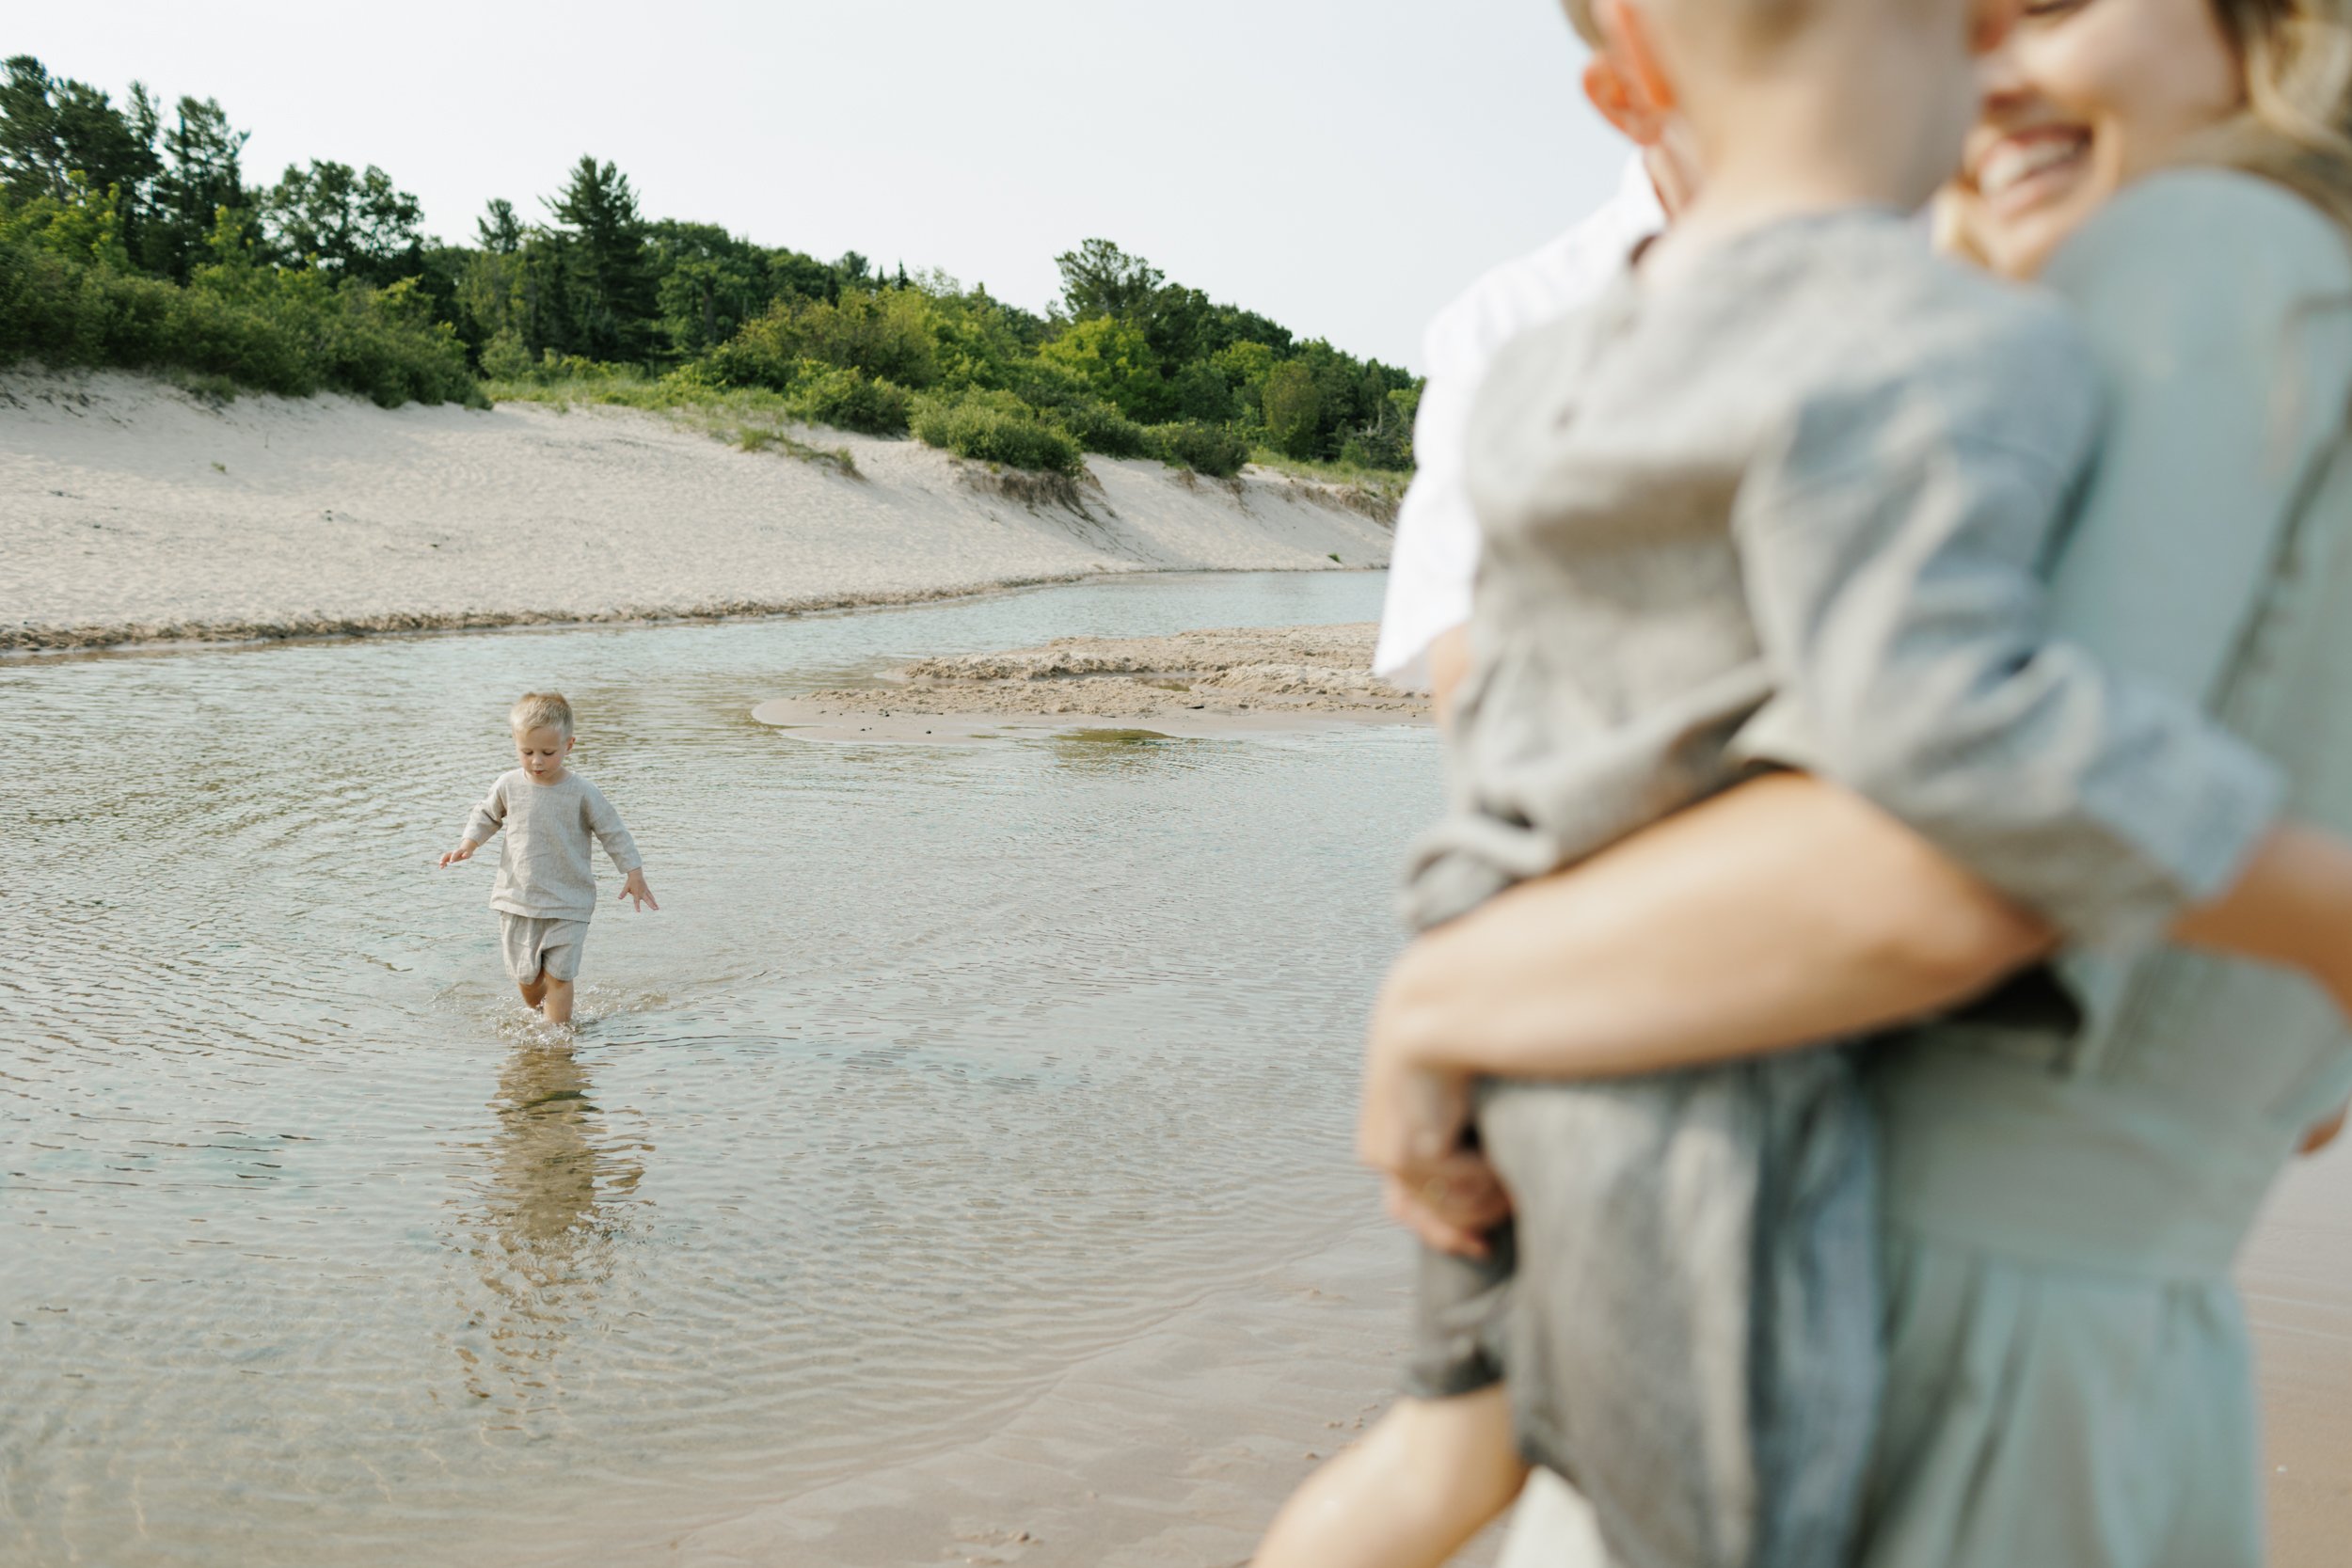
x: 545, y: 869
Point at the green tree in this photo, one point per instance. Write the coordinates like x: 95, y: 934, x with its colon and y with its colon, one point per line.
x: 1114, y: 358
x: 1199, y: 392
x: 498, y: 229
x: 32, y: 163
x: 1293, y: 409
x: 707, y: 284
x: 976, y: 339
x: 350, y: 224
x: 84, y: 228
x: 612, y: 301
x: 1100, y: 279
x: 801, y: 277
x: 202, y: 176
x: 53, y: 132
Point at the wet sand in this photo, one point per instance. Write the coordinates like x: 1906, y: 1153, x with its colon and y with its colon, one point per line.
x: 1195, y: 683
x: 1171, y: 1450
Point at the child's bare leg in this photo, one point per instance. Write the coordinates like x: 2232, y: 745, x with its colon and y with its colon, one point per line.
x: 534, y: 990
x: 1423, y: 1482
x: 557, y: 1009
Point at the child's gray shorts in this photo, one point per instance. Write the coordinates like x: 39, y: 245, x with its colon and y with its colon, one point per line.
x: 536, y: 944
x: 1684, y: 1306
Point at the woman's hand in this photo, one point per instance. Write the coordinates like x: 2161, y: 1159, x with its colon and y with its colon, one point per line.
x: 1410, y: 1130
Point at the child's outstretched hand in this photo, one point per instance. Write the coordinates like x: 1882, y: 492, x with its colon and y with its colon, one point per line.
x: 635, y: 888
x: 463, y: 852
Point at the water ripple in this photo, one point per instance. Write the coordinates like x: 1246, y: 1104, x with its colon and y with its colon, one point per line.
x: 938, y: 1069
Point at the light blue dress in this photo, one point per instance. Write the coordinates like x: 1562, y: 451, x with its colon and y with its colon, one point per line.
x: 2071, y: 1381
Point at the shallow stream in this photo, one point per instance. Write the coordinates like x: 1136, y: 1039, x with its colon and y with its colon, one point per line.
x: 937, y: 1068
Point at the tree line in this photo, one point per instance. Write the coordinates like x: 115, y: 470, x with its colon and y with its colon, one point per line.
x: 130, y: 235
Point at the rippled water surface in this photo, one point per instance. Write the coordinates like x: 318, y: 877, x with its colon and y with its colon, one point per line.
x: 937, y: 1068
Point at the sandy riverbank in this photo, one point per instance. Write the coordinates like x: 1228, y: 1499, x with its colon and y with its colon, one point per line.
x: 1209, y: 682
x: 137, y: 512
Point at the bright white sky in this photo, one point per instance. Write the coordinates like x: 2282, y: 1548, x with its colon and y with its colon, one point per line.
x: 1343, y: 166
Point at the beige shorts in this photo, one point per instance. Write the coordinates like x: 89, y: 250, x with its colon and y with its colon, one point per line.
x: 535, y: 946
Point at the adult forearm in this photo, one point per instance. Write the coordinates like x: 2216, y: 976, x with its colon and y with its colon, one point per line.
x: 1783, y: 913
x: 2291, y: 905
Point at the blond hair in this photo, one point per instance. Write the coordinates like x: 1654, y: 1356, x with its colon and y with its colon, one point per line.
x: 540, y: 710
x: 1588, y: 25
x: 2297, y: 125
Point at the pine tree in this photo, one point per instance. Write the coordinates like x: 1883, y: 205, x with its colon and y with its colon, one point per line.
x: 612, y: 301
x: 202, y: 176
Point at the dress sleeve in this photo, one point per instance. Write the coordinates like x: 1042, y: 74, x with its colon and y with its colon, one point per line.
x: 606, y: 824
x: 1891, y: 546
x: 2219, y: 308
x: 489, y: 816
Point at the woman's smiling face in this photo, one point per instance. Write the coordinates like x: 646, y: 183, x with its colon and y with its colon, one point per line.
x: 2082, y: 97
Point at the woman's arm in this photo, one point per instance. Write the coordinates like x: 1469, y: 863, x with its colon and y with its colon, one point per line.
x: 1783, y: 913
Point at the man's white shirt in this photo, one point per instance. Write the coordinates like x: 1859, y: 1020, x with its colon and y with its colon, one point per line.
x: 1435, y: 557
x: 1434, y: 561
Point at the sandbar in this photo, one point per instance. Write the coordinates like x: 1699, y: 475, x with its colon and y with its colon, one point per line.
x: 1205, y: 683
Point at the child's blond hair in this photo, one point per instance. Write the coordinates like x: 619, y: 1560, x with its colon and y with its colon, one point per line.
x: 540, y: 710
x: 1588, y: 25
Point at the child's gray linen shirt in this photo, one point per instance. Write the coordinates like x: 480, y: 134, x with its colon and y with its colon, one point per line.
x: 545, y: 870
x: 1789, y: 507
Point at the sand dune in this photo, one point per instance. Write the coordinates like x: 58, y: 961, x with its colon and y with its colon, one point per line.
x: 134, y: 512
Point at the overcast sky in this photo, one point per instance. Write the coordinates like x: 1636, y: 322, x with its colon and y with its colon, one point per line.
x: 1345, y: 167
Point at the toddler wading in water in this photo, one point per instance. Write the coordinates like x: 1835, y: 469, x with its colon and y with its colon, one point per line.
x: 547, y: 884
x: 1779, y: 499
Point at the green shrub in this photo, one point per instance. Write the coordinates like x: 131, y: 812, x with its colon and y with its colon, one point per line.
x: 295, y: 333
x: 997, y: 427
x: 850, y: 400
x: 504, y: 357
x: 749, y: 361
x: 884, y: 335
x: 1217, y: 450
x: 1099, y: 427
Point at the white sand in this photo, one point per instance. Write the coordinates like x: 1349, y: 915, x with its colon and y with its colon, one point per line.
x: 134, y: 512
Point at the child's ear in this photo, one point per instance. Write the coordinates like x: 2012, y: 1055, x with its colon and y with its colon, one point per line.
x: 1632, y: 59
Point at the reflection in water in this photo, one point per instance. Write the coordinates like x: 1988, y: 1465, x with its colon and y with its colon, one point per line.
x: 554, y: 1204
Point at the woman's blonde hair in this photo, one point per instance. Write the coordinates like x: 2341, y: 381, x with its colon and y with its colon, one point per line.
x: 2297, y: 126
